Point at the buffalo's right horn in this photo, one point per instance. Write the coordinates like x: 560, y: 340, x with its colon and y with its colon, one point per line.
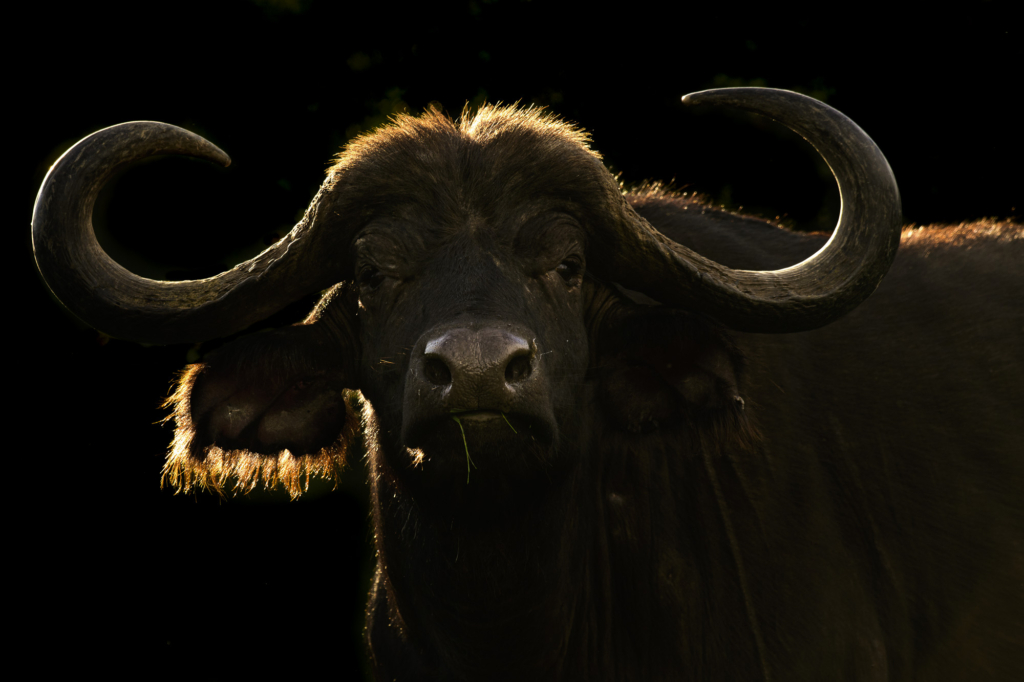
x: 110, y: 298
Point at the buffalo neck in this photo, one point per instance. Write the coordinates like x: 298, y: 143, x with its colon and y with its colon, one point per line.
x: 508, y: 581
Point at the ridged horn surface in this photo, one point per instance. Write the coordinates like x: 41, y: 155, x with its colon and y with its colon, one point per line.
x: 108, y: 297
x: 804, y: 296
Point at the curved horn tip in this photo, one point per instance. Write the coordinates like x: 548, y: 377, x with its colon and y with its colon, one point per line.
x: 204, y: 149
x: 716, y: 95
x: 215, y: 153
x: 703, y: 96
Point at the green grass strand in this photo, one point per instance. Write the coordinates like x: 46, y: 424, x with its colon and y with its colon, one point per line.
x: 465, y: 445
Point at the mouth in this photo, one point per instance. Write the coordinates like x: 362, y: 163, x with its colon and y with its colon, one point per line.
x: 471, y: 418
x: 482, y: 428
x: 481, y: 417
x: 482, y: 449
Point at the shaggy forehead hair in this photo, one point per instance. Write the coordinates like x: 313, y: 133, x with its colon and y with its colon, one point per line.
x: 496, y: 159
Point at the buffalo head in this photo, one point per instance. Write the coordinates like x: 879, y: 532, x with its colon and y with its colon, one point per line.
x: 477, y: 276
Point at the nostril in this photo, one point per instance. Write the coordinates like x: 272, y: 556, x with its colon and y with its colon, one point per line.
x: 518, y: 369
x: 437, y: 372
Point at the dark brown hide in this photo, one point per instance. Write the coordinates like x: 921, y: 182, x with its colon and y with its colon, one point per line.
x: 631, y: 490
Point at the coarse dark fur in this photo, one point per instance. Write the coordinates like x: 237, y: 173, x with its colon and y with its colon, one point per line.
x: 841, y: 504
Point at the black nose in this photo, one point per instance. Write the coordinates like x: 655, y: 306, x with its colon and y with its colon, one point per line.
x: 477, y: 368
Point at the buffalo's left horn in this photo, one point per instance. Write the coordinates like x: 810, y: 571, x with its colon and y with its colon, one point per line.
x: 807, y: 295
x: 110, y: 298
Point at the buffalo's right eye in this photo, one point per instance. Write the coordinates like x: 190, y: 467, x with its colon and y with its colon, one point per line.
x: 369, y: 278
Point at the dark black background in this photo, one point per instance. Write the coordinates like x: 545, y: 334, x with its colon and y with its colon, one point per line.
x: 121, y: 578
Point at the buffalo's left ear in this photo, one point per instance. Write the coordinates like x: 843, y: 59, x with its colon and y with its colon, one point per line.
x: 272, y: 405
x: 658, y: 366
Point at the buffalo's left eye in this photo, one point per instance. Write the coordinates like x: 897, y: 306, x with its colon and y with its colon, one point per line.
x: 569, y: 270
x: 370, y: 278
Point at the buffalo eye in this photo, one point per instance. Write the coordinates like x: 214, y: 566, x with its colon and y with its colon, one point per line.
x: 369, y: 278
x: 569, y: 270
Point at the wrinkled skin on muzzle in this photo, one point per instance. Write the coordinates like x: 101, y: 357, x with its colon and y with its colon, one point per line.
x: 475, y: 348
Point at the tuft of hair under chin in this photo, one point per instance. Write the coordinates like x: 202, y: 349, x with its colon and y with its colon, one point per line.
x: 192, y: 466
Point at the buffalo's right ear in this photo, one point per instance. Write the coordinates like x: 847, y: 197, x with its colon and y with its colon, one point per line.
x: 273, y: 405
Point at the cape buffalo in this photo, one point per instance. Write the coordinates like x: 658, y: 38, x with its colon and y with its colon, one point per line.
x: 611, y: 435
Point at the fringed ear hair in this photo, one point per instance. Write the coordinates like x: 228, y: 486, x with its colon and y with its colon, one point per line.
x: 207, y: 458
x: 272, y: 406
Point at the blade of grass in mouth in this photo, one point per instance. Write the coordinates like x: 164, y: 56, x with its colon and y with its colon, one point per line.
x: 465, y: 445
